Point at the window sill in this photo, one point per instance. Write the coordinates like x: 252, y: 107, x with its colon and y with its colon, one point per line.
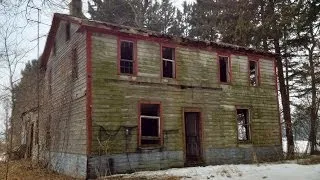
x: 168, y: 80
x: 147, y: 148
x: 225, y: 83
x: 245, y: 144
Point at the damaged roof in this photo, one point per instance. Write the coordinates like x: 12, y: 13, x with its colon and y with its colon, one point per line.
x: 185, y: 41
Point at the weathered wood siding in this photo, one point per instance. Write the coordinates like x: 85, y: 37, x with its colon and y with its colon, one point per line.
x: 67, y: 102
x: 116, y: 97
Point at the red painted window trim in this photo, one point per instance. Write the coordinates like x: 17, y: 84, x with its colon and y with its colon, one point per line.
x: 135, y: 54
x: 174, y: 47
x: 258, y: 69
x: 224, y: 54
x: 139, y: 123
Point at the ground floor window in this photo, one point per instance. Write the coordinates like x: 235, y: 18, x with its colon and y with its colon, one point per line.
x: 243, y: 120
x: 150, y: 124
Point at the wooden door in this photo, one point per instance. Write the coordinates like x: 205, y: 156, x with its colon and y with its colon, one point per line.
x: 192, y: 136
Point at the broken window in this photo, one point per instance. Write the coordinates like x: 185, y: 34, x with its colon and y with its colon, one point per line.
x: 74, y: 63
x: 150, y: 124
x: 126, y: 59
x: 168, y: 63
x: 224, y: 68
x: 253, y: 73
x: 67, y: 31
x: 243, y: 125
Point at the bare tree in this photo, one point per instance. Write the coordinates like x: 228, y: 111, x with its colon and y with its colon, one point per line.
x: 11, y: 56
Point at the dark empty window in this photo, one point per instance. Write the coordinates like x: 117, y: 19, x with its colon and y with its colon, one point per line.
x: 150, y: 124
x: 67, y: 31
x: 224, y: 68
x: 243, y: 125
x: 126, y: 59
x: 54, y: 48
x: 74, y: 59
x: 253, y: 73
x: 168, y: 63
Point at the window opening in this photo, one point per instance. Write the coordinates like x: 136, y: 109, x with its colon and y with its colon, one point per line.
x: 224, y: 68
x: 253, y: 73
x: 67, y: 31
x: 150, y: 124
x: 168, y: 62
x: 243, y: 125
x: 74, y: 63
x: 126, y: 59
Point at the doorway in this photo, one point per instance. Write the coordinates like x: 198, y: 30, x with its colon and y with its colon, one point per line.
x: 192, y: 137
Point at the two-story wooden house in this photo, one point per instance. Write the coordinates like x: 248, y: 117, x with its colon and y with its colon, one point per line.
x: 122, y: 99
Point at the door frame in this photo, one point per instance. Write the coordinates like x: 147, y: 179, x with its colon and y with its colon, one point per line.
x: 192, y: 110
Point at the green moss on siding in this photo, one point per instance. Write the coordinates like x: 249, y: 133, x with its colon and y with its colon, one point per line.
x: 116, y: 97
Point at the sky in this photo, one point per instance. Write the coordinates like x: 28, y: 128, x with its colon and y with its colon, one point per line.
x: 26, y: 35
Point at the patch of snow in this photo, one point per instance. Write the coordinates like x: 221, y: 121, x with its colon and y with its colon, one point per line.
x: 2, y: 157
x: 300, y: 146
x: 241, y: 172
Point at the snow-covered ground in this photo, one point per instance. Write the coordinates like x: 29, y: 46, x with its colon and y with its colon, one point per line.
x: 241, y: 172
x: 300, y: 146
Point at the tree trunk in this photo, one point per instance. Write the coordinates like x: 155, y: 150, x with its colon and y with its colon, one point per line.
x: 285, y: 102
x: 313, y: 112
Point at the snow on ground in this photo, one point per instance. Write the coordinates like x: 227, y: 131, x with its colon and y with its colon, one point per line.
x: 241, y: 172
x: 300, y: 146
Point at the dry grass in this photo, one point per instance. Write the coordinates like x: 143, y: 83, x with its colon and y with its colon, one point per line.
x: 24, y: 170
x: 314, y: 159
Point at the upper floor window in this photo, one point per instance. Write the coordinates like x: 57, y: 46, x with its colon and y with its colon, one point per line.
x: 54, y: 48
x: 74, y: 62
x: 253, y: 73
x: 126, y: 57
x: 243, y: 121
x: 68, y: 32
x: 150, y: 124
x: 168, y: 62
x: 224, y: 69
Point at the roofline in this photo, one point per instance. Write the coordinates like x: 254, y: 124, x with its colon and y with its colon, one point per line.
x: 93, y: 25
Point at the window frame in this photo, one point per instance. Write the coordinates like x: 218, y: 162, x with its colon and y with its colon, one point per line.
x: 139, y: 137
x: 174, y: 67
x: 249, y: 124
x: 257, y: 72
x: 135, y: 62
x: 229, y: 71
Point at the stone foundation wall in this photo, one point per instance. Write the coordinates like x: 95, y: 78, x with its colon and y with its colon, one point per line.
x: 74, y: 165
x: 237, y: 155
x: 145, y: 160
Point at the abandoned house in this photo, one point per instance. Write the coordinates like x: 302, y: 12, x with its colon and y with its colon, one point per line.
x: 120, y: 99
